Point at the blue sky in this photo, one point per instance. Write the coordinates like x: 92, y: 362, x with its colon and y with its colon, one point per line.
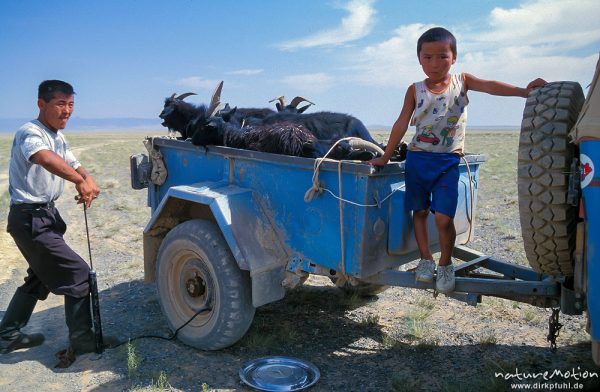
x: 352, y: 56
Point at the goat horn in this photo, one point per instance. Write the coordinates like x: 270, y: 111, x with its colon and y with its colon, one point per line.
x: 216, y: 109
x: 216, y: 97
x: 303, y: 108
x: 297, y: 100
x: 172, y: 96
x: 215, y: 100
x: 183, y: 96
x: 280, y: 99
x: 356, y: 142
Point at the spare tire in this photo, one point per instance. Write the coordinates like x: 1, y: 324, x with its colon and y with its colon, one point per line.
x: 545, y: 157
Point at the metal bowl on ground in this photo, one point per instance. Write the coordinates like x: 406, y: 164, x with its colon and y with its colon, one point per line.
x: 274, y: 374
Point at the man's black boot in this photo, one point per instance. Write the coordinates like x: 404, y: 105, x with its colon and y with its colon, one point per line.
x: 16, y: 317
x: 79, y: 320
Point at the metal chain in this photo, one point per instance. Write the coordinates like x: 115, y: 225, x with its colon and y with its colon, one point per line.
x: 553, y: 328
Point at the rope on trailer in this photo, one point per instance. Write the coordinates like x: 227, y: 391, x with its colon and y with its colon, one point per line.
x: 158, y: 173
x: 471, y: 194
x: 341, y: 216
x: 317, y: 188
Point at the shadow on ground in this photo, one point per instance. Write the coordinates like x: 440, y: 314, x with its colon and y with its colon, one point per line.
x: 310, y: 323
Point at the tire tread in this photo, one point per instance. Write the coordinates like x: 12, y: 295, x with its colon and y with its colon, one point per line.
x: 545, y: 156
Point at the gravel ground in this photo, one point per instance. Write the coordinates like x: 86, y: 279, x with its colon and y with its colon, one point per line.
x: 402, y: 339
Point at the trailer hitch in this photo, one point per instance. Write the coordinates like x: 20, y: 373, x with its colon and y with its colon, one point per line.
x: 554, y: 327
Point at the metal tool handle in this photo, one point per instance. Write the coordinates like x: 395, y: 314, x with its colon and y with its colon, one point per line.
x: 87, y: 233
x: 95, y: 298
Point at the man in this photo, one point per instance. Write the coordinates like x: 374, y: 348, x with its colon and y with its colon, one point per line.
x: 40, y: 162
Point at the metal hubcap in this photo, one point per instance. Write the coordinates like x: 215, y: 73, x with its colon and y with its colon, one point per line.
x: 195, y: 286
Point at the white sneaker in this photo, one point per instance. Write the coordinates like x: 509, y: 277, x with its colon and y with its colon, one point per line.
x: 424, y: 271
x: 445, y: 282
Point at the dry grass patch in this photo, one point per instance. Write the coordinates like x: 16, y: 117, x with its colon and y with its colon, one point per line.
x: 390, y: 341
x: 426, y: 302
x: 369, y: 320
x: 109, y: 183
x: 531, y: 316
x: 418, y: 327
x: 488, y: 337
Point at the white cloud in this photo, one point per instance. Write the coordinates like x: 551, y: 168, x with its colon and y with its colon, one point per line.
x: 314, y: 83
x: 356, y: 25
x: 516, y: 65
x: 246, y: 72
x: 547, y: 24
x: 545, y: 38
x: 392, y: 62
x: 197, y: 82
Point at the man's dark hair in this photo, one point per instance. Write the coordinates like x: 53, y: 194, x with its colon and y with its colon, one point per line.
x: 48, y: 88
x: 437, y: 34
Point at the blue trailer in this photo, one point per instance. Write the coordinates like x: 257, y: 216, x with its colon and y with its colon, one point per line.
x: 232, y: 229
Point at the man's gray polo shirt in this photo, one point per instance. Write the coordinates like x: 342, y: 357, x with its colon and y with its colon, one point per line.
x: 29, y: 182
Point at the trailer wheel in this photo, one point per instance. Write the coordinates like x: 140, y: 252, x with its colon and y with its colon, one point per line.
x: 195, y: 269
x: 545, y: 157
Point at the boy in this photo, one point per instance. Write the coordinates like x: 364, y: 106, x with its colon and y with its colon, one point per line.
x: 438, y: 109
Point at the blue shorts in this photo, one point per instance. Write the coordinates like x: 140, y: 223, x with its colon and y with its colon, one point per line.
x: 432, y: 181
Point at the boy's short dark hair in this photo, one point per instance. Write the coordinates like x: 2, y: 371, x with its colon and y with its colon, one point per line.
x: 437, y: 34
x: 48, y: 88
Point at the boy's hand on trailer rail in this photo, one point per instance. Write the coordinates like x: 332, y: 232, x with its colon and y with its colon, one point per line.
x: 379, y: 161
x: 539, y: 82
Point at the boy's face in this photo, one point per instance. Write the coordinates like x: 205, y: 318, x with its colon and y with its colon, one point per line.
x: 436, y: 58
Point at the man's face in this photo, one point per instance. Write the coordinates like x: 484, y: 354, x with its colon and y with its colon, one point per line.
x: 56, y: 113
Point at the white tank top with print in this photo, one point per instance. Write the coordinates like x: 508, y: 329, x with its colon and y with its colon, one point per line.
x: 440, y: 118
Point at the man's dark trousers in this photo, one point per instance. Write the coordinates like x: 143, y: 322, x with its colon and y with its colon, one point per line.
x: 38, y: 231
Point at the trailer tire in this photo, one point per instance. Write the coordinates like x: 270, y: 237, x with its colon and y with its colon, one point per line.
x: 195, y: 268
x: 545, y: 157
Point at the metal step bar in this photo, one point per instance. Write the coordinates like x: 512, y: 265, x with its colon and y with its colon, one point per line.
x: 507, y: 280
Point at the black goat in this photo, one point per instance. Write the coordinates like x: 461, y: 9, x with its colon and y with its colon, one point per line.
x: 281, y: 138
x: 293, y: 106
x: 238, y: 116
x: 307, y: 135
x: 324, y: 125
x: 177, y: 114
